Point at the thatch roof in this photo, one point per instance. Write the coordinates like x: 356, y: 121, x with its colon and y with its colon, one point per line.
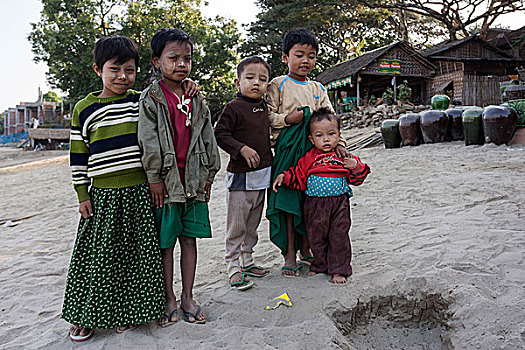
x: 436, y: 50
x: 354, y: 65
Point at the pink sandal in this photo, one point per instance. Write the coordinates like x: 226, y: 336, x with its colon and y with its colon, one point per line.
x: 80, y: 338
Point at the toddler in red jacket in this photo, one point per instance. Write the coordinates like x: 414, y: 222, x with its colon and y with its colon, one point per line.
x: 326, y: 178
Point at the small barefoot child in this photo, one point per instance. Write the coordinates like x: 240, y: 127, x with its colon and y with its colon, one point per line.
x: 287, y: 96
x: 181, y: 158
x: 326, y: 179
x: 114, y: 278
x: 243, y: 131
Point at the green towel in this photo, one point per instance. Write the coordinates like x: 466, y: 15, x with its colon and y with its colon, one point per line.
x: 292, y: 144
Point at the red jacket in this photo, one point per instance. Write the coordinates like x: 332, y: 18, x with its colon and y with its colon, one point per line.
x: 327, y: 164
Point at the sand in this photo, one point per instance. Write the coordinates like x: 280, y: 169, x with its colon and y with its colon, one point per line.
x: 438, y: 241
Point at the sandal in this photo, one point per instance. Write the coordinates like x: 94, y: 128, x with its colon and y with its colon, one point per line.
x: 80, y: 338
x: 253, y: 274
x: 126, y: 328
x: 188, y: 314
x: 242, y: 284
x: 306, y: 258
x: 168, y: 319
x: 294, y: 269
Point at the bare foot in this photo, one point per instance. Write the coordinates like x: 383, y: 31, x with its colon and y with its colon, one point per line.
x: 311, y: 274
x: 338, y: 279
x: 189, y: 306
x: 255, y: 271
x: 237, y: 277
x: 127, y: 327
x: 290, y: 267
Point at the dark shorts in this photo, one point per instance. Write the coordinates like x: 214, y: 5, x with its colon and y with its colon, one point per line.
x: 190, y: 219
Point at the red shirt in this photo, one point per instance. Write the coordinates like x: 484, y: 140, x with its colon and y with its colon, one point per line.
x: 181, y: 131
x: 327, y: 164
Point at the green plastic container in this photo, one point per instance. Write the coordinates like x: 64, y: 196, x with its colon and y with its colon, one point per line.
x: 440, y: 102
x: 390, y: 133
x: 473, y: 126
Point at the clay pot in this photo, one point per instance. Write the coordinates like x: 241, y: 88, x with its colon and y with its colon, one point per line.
x: 440, y: 102
x: 410, y: 129
x: 390, y: 133
x: 473, y: 126
x: 455, y: 128
x: 499, y: 124
x: 434, y: 126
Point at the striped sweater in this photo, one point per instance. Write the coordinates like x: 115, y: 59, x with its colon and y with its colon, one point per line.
x: 104, y: 150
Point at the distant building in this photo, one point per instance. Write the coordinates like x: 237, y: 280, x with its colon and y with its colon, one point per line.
x: 468, y: 70
x: 30, y: 114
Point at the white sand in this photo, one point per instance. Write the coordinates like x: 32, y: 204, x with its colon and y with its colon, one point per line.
x: 438, y: 238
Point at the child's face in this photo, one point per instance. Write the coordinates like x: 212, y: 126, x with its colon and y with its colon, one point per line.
x: 300, y: 60
x: 175, y: 61
x: 253, y: 81
x: 324, y: 134
x: 116, y: 78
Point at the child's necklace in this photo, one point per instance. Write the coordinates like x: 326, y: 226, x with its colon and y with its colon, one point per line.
x: 184, y: 107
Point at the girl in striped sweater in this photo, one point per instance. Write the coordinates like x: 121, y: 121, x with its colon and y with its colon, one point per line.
x: 115, y: 276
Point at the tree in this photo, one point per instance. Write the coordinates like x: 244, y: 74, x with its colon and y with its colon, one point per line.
x: 66, y: 33
x: 343, y: 28
x: 456, y: 16
x: 51, y: 96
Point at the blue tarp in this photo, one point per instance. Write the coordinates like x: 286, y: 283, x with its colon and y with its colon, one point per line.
x: 16, y: 137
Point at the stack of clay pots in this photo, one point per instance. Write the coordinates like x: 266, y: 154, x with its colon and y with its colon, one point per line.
x: 472, y: 124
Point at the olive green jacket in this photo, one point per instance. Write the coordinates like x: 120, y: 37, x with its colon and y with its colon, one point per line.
x: 158, y: 154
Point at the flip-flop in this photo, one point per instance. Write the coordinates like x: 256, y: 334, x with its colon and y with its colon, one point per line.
x: 128, y: 328
x: 247, y: 270
x: 306, y: 258
x: 188, y: 314
x: 242, y: 284
x: 168, y: 318
x: 80, y: 338
x: 289, y: 268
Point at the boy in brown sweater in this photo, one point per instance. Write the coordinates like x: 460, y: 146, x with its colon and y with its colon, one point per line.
x: 243, y: 131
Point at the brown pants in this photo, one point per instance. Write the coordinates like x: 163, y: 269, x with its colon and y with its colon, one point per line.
x: 328, y: 224
x: 244, y: 215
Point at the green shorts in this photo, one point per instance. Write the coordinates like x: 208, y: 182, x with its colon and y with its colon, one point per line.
x: 190, y: 219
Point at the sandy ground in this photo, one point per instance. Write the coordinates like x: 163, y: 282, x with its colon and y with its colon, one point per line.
x: 438, y: 254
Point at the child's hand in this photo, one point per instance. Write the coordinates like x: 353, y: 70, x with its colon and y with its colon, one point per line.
x: 207, y: 190
x: 341, y: 152
x: 190, y: 87
x: 158, y: 193
x: 295, y: 117
x: 278, y: 182
x: 349, y: 163
x: 251, y: 156
x: 85, y: 209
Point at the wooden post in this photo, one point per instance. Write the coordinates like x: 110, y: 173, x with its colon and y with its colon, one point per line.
x: 395, y: 89
x: 358, y: 80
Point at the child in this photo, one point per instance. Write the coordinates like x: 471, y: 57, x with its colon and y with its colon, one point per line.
x: 287, y: 97
x: 181, y: 157
x: 243, y: 131
x: 114, y: 277
x: 325, y: 177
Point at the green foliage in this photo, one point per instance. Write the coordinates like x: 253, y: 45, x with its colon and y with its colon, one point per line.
x: 51, y: 96
x: 344, y: 29
x: 66, y: 33
x: 404, y: 91
x: 389, y: 96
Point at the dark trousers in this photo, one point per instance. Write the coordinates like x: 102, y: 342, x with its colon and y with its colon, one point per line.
x: 327, y: 225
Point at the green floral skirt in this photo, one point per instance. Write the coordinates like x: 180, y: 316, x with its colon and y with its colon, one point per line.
x: 115, y: 275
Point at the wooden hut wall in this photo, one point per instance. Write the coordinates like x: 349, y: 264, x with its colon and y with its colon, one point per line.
x: 482, y: 90
x: 435, y: 84
x: 410, y: 66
